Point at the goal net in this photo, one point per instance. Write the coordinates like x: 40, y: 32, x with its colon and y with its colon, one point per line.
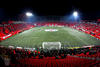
x: 51, y: 45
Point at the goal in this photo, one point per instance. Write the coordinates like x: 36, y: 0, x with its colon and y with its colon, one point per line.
x: 51, y: 45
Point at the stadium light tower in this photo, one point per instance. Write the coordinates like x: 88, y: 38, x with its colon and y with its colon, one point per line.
x: 75, y: 14
x: 29, y: 14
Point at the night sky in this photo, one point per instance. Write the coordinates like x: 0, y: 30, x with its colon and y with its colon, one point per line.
x: 88, y: 9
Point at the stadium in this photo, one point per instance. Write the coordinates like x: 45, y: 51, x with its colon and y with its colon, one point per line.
x: 50, y: 37
x: 56, y: 39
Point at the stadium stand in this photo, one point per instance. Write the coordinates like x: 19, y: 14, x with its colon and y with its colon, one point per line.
x: 7, y: 30
x: 50, y: 58
x: 88, y: 28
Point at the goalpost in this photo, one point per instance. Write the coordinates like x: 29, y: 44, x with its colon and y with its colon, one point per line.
x: 51, y: 45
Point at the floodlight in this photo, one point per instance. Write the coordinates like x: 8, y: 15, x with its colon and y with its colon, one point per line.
x: 75, y: 14
x: 29, y: 14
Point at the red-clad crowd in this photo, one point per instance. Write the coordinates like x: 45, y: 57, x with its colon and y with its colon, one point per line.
x: 47, y: 58
x: 89, y: 28
x: 9, y: 29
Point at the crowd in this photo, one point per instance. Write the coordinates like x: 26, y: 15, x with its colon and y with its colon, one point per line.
x: 9, y: 55
x: 9, y: 29
x: 88, y: 28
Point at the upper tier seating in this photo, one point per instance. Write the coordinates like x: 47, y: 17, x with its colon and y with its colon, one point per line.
x: 7, y: 30
x: 88, y: 28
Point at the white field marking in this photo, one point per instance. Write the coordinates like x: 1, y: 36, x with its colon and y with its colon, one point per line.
x: 82, y: 41
x: 51, y: 30
x: 11, y: 47
x: 68, y: 43
x: 76, y: 36
x: 19, y: 47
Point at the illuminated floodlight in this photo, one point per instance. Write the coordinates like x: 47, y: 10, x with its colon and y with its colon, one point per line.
x: 29, y: 14
x: 75, y: 14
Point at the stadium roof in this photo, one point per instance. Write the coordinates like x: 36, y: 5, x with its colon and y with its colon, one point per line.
x: 89, y: 9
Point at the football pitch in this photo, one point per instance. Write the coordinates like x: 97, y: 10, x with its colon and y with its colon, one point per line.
x: 34, y: 37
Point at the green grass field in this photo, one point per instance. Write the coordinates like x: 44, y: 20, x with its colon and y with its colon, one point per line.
x: 36, y: 36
